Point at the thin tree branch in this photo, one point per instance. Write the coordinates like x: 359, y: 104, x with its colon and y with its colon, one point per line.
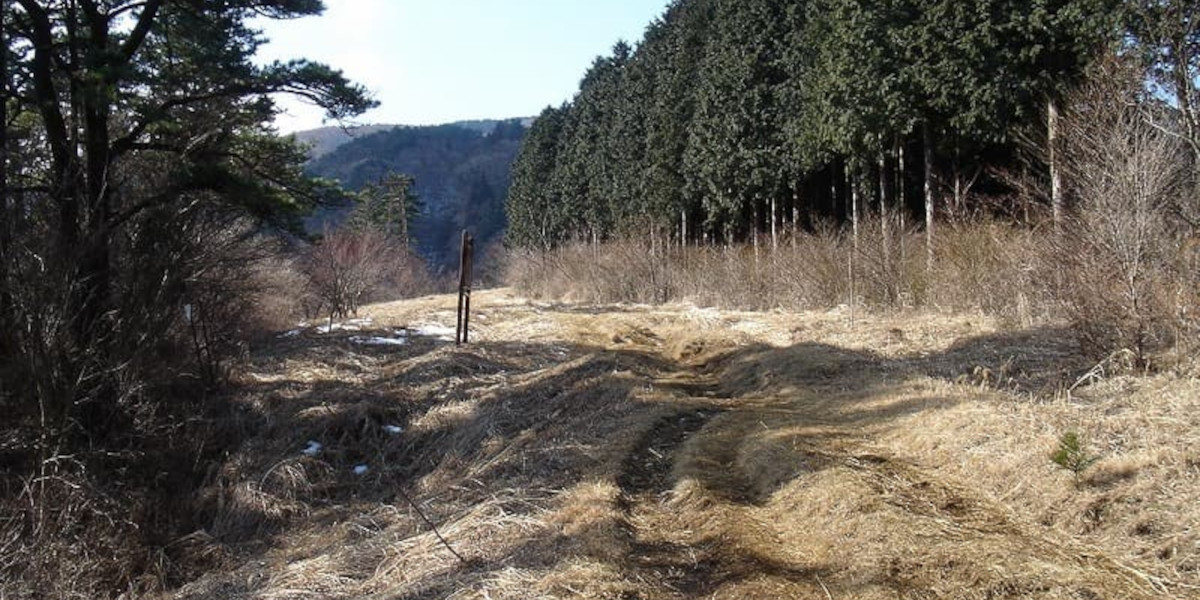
x: 138, y: 36
x: 124, y: 8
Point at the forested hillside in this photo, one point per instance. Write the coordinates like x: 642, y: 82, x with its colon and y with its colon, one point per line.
x: 323, y: 140
x: 461, y: 172
x: 730, y: 119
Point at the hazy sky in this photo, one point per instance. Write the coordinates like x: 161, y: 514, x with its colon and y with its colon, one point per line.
x: 436, y: 61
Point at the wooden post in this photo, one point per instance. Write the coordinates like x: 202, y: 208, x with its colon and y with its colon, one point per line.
x: 464, y: 287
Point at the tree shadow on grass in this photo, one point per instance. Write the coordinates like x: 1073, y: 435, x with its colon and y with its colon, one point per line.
x: 550, y: 416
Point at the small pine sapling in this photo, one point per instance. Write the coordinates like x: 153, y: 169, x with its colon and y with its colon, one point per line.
x: 1072, y: 455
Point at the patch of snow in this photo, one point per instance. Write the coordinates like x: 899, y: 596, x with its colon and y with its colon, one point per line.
x: 350, y: 325
x: 361, y: 470
x: 435, y: 330
x: 288, y: 334
x: 313, y: 448
x: 393, y: 429
x: 378, y: 341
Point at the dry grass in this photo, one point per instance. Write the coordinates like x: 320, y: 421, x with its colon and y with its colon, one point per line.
x: 631, y: 451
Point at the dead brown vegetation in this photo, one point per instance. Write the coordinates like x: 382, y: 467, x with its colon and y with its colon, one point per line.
x: 100, y: 445
x: 343, y: 267
x: 986, y: 266
x: 630, y: 451
x: 348, y: 267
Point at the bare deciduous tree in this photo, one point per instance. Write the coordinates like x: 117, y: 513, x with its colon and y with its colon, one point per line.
x: 1120, y: 239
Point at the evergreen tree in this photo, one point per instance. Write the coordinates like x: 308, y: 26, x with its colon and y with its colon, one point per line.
x: 734, y: 152
x: 728, y: 110
x: 138, y: 113
x: 673, y: 49
x: 389, y: 207
x: 536, y: 213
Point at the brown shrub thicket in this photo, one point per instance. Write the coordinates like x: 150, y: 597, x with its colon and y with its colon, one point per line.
x: 988, y: 266
x: 97, y: 496
x: 408, y: 276
x: 343, y: 267
x: 99, y: 444
x: 1124, y: 279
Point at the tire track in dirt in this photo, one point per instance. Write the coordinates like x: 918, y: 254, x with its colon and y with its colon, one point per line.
x: 664, y: 556
x: 645, y: 483
x: 647, y: 470
x: 677, y: 548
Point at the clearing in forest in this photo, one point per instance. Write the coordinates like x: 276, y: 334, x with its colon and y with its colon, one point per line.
x: 635, y: 452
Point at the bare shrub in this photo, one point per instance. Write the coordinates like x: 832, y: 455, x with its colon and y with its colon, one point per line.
x: 218, y: 307
x: 406, y: 275
x: 993, y: 267
x: 491, y: 264
x: 100, y: 443
x: 344, y: 267
x: 349, y: 267
x: 883, y: 275
x: 621, y: 271
x: 279, y: 306
x: 1117, y: 249
x: 985, y: 266
x: 815, y: 270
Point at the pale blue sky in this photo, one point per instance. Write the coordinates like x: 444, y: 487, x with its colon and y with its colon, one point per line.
x: 436, y: 61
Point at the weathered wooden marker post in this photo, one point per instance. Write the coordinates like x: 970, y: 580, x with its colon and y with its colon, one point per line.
x: 464, y: 287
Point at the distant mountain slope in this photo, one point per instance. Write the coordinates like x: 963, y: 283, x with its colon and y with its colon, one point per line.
x: 461, y: 171
x: 327, y: 139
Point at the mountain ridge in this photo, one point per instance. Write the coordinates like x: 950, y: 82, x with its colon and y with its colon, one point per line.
x: 326, y: 139
x: 461, y: 172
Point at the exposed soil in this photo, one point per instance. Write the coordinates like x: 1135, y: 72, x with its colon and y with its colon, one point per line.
x: 632, y: 452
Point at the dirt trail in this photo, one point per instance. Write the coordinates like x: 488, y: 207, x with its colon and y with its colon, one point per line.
x: 647, y: 453
x: 739, y: 548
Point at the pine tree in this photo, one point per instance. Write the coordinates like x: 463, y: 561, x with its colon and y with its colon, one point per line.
x: 139, y: 113
x: 389, y: 207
